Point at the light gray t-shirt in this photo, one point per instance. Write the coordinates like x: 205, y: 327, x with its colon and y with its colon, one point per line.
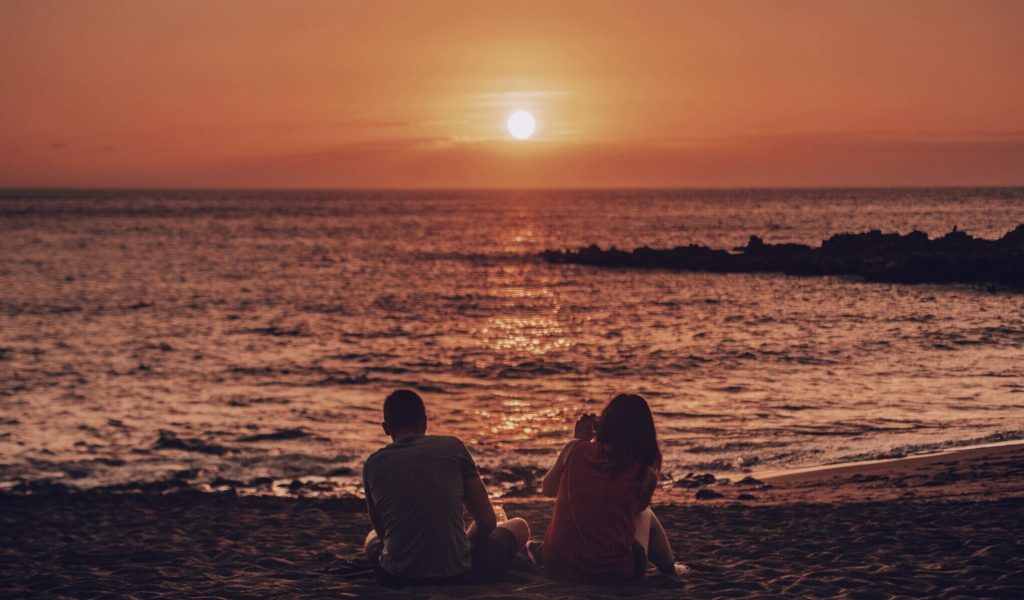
x: 416, y: 485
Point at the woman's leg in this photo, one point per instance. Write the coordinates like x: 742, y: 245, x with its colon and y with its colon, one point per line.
x: 492, y: 558
x: 642, y: 534
x: 651, y: 535
x: 519, y: 528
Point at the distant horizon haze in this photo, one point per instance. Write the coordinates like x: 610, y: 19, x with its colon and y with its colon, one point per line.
x: 14, y: 189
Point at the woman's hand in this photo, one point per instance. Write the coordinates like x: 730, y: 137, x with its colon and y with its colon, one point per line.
x: 586, y: 427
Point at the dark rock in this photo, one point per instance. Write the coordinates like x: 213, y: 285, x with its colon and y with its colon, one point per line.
x: 276, y: 331
x: 280, y: 434
x: 705, y: 478
x: 746, y: 497
x: 297, y: 486
x: 875, y: 256
x: 706, y: 494
x: 515, y: 473
x: 76, y: 472
x: 169, y: 440
x: 340, y: 472
x: 186, y: 474
x: 520, y: 491
x: 348, y: 503
x: 861, y: 478
x: 693, y: 481
x: 748, y: 480
x: 43, y: 487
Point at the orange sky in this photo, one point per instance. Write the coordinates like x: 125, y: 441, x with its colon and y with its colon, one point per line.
x: 415, y: 94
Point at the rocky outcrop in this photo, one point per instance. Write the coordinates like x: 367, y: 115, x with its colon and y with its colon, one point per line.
x: 875, y: 256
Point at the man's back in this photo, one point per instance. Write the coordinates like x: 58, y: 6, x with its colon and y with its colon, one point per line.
x: 417, y: 487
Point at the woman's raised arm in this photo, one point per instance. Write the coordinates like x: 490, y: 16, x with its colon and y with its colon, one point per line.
x: 549, y: 487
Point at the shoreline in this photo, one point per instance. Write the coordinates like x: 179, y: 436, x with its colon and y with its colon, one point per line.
x: 507, y: 490
x: 984, y: 472
x: 773, y: 474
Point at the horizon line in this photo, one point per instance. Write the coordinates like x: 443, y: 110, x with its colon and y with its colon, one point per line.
x: 5, y: 189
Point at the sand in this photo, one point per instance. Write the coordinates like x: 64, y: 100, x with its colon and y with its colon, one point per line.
x: 937, y: 527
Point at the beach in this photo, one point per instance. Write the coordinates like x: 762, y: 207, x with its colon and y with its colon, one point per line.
x: 938, y: 526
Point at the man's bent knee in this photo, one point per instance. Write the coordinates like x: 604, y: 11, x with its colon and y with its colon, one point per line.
x: 371, y: 538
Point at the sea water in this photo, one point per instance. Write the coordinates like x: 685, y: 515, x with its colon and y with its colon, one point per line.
x: 248, y: 338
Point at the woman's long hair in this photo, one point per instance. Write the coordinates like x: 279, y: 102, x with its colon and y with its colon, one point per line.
x: 626, y: 428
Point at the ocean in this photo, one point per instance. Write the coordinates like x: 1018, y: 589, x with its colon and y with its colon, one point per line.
x: 246, y: 339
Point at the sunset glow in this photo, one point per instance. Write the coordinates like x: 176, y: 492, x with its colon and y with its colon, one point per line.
x: 417, y: 94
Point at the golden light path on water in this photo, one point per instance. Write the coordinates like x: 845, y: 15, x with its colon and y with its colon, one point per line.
x: 517, y: 336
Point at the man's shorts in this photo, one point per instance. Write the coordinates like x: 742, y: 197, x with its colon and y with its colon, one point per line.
x: 490, y: 561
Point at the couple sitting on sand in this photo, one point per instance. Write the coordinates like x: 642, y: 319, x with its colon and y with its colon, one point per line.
x: 602, y: 529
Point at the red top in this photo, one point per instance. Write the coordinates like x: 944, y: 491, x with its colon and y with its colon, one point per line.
x: 590, y: 538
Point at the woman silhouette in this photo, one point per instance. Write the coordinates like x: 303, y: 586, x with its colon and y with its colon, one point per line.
x: 602, y: 528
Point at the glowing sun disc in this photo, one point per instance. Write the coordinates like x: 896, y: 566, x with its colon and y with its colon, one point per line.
x: 521, y: 124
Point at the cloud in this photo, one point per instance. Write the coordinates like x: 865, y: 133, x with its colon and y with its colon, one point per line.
x: 793, y: 160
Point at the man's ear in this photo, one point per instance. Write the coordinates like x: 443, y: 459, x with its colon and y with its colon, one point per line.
x: 384, y: 426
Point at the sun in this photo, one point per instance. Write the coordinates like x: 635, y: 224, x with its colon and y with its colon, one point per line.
x: 521, y: 125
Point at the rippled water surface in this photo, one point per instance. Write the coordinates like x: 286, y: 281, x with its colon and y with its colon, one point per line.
x: 259, y: 331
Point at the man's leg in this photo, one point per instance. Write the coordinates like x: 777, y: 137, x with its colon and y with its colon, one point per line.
x: 372, y: 546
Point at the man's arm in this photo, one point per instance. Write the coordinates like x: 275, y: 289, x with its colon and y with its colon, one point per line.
x: 479, y: 507
x: 374, y: 519
x: 371, y: 509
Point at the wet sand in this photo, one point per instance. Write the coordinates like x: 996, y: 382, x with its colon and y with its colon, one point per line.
x: 939, y: 527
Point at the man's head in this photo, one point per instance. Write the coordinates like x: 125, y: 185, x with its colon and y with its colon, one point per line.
x: 404, y: 414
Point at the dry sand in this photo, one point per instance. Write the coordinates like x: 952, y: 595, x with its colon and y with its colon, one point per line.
x: 937, y: 527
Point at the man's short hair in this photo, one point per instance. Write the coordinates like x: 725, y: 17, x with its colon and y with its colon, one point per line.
x: 404, y: 408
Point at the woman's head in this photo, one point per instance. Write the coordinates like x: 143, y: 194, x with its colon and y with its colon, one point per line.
x: 627, y: 426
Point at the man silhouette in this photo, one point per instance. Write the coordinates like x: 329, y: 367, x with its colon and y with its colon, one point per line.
x: 416, y: 488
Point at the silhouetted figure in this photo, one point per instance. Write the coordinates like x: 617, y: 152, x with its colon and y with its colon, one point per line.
x: 602, y: 528
x: 416, y: 488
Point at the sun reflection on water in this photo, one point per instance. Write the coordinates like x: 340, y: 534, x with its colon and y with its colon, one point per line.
x: 522, y: 421
x: 527, y: 335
